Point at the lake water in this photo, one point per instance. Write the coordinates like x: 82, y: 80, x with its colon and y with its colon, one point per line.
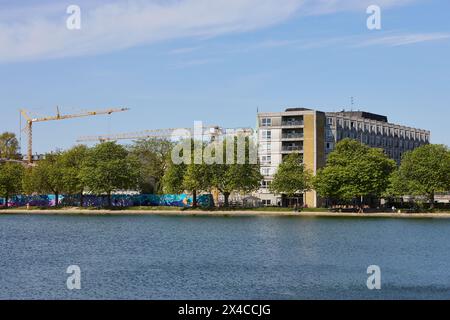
x: 157, y: 257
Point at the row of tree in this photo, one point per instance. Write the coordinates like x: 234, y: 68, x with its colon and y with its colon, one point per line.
x: 353, y: 171
x: 356, y: 171
x: 226, y: 175
x: 145, y: 166
x: 102, y: 170
x: 106, y: 168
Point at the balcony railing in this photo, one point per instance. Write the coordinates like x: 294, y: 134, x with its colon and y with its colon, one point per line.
x: 292, y: 136
x: 292, y: 123
x: 292, y: 148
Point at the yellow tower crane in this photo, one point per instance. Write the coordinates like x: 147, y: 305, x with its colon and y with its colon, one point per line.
x: 58, y: 116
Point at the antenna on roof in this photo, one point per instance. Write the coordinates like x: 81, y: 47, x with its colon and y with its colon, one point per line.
x: 352, y: 103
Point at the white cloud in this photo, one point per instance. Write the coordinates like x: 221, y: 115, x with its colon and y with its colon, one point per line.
x: 318, y: 7
x: 39, y: 32
x: 404, y: 39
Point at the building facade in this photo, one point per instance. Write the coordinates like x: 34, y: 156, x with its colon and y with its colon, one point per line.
x: 314, y: 134
x: 373, y: 130
x: 297, y: 130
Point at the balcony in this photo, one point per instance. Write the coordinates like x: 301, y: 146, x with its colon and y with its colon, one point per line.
x: 294, y: 148
x: 292, y: 136
x: 292, y: 123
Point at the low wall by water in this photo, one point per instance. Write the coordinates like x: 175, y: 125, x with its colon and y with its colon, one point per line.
x: 172, y: 200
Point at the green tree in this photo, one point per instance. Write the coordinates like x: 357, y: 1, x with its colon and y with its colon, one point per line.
x: 197, y: 179
x: 424, y: 172
x: 9, y: 146
x: 72, y: 162
x: 291, y: 177
x: 108, y: 168
x: 153, y: 155
x: 173, y: 178
x: 354, y: 170
x: 193, y: 176
x: 29, y: 182
x: 10, y: 180
x: 48, y: 176
x: 232, y: 177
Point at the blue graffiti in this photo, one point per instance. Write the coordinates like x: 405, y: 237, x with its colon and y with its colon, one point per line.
x: 142, y: 200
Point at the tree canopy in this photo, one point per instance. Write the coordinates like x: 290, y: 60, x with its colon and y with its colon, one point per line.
x: 48, y: 176
x: 11, y: 175
x: 354, y: 170
x: 9, y: 146
x: 235, y: 176
x: 72, y: 162
x: 108, y: 168
x: 423, y: 171
x: 153, y: 155
x: 291, y: 177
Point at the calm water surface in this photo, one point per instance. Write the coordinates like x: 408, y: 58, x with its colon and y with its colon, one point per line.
x: 152, y: 257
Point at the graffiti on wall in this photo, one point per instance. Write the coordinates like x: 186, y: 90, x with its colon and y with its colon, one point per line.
x: 168, y: 200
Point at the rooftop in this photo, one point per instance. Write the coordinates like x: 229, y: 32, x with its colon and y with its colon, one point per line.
x: 361, y: 114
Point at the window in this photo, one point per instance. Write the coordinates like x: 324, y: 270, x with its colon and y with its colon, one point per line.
x: 330, y: 146
x: 265, y: 171
x: 265, y: 184
x: 266, y: 134
x: 266, y: 159
x: 330, y: 121
x: 329, y: 134
x: 267, y: 202
x: 266, y: 122
x: 266, y: 147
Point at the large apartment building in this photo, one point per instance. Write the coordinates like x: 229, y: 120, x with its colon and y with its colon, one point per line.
x: 373, y: 130
x: 314, y: 134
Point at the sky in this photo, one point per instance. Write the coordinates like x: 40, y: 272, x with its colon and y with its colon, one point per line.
x: 173, y: 62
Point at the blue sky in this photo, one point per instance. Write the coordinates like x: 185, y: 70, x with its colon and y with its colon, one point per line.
x: 174, y: 62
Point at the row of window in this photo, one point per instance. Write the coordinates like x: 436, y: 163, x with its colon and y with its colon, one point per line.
x: 348, y: 124
x: 379, y: 141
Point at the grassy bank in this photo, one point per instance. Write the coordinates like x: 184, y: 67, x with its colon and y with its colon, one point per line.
x: 261, y: 212
x: 212, y: 210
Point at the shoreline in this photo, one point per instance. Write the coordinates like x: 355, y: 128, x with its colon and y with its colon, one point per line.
x: 237, y: 213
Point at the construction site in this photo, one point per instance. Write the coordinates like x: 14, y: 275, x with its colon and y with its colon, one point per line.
x: 210, y: 132
x: 119, y: 198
